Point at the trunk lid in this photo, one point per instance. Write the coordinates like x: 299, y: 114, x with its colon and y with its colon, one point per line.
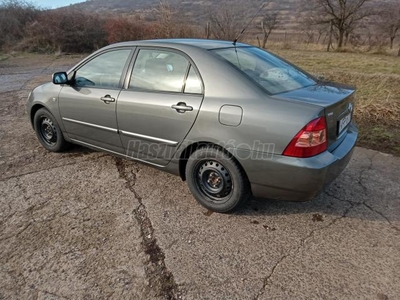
x: 337, y: 101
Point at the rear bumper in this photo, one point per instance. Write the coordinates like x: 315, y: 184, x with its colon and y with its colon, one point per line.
x: 298, y: 179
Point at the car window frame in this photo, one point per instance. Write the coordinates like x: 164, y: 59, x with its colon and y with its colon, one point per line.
x: 191, y: 64
x: 96, y: 55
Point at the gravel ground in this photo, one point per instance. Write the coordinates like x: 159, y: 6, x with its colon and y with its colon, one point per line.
x: 86, y: 225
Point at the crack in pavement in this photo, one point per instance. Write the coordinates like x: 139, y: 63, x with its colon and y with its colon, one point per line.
x: 360, y: 178
x: 36, y: 171
x: 301, y: 245
x: 365, y: 188
x: 345, y: 213
x: 16, y: 280
x: 30, y: 210
x: 158, y: 274
x: 24, y: 228
x: 304, y: 240
x: 51, y: 294
x: 371, y: 159
x: 52, y: 168
x: 267, y: 279
x: 381, y: 214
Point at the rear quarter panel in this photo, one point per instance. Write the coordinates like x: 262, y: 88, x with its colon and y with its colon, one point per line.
x: 267, y: 122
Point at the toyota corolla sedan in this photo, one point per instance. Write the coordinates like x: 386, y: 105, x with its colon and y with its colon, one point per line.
x: 234, y: 121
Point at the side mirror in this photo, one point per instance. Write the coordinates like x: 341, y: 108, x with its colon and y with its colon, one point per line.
x: 60, y: 78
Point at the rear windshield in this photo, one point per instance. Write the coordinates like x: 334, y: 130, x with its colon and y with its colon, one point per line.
x: 271, y: 73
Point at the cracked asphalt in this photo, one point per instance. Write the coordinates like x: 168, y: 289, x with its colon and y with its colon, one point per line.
x: 86, y: 225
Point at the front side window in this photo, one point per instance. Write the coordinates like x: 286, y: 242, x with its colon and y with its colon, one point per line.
x: 104, y: 71
x: 271, y: 73
x: 159, y: 70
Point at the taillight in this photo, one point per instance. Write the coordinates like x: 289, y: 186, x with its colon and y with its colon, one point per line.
x: 310, y: 141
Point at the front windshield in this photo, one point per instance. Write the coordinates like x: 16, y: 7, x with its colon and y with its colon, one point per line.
x: 270, y: 72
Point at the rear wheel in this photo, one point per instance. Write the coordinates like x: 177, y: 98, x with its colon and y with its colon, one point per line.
x: 216, y: 180
x: 48, y: 131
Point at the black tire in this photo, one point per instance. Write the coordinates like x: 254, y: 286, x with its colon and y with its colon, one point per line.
x: 48, y: 131
x: 216, y: 180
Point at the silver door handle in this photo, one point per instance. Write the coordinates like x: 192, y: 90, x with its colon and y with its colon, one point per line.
x: 107, y: 99
x: 182, y: 107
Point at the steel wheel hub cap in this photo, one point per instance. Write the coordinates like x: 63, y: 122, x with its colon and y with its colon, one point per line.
x: 48, y: 131
x: 214, y: 179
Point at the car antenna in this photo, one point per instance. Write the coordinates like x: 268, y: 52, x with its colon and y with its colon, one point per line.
x: 245, y: 28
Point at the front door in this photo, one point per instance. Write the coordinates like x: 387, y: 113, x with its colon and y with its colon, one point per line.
x: 160, y: 105
x: 88, y: 106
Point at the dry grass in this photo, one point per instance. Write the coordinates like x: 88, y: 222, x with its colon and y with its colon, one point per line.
x: 378, y: 95
x: 377, y: 78
x: 321, y: 61
x: 3, y: 57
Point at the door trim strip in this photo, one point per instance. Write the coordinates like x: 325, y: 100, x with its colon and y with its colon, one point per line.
x: 127, y: 133
x: 149, y: 138
x: 91, y: 125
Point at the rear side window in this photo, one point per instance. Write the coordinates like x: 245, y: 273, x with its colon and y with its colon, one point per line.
x: 268, y: 71
x: 159, y: 70
x: 193, y: 83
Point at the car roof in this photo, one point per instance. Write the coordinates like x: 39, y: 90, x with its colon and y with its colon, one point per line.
x: 176, y: 43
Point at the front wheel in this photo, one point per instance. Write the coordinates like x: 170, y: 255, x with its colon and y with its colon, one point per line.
x: 216, y: 180
x: 48, y: 131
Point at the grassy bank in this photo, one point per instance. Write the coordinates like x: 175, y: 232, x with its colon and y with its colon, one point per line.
x: 377, y: 78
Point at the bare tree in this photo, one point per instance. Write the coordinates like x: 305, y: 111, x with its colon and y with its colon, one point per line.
x: 311, y: 27
x: 321, y: 30
x: 268, y: 23
x: 207, y: 30
x: 388, y: 21
x: 342, y: 14
x: 166, y: 16
x: 227, y: 22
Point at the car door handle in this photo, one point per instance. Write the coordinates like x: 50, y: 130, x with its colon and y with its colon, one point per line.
x: 181, y: 107
x: 107, y: 99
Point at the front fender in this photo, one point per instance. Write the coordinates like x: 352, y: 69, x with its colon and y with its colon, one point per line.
x: 45, y: 96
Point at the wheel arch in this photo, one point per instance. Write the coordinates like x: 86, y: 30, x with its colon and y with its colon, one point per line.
x: 33, y: 111
x: 190, y: 149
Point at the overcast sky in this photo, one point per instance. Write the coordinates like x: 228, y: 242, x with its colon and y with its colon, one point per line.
x: 54, y: 3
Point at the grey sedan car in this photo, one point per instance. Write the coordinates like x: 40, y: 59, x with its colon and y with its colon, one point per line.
x: 234, y: 121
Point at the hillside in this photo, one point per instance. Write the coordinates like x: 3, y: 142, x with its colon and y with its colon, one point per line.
x: 195, y: 11
x: 198, y: 12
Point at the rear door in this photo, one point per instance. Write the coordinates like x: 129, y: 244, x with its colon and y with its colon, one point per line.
x: 88, y: 107
x: 161, y: 101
